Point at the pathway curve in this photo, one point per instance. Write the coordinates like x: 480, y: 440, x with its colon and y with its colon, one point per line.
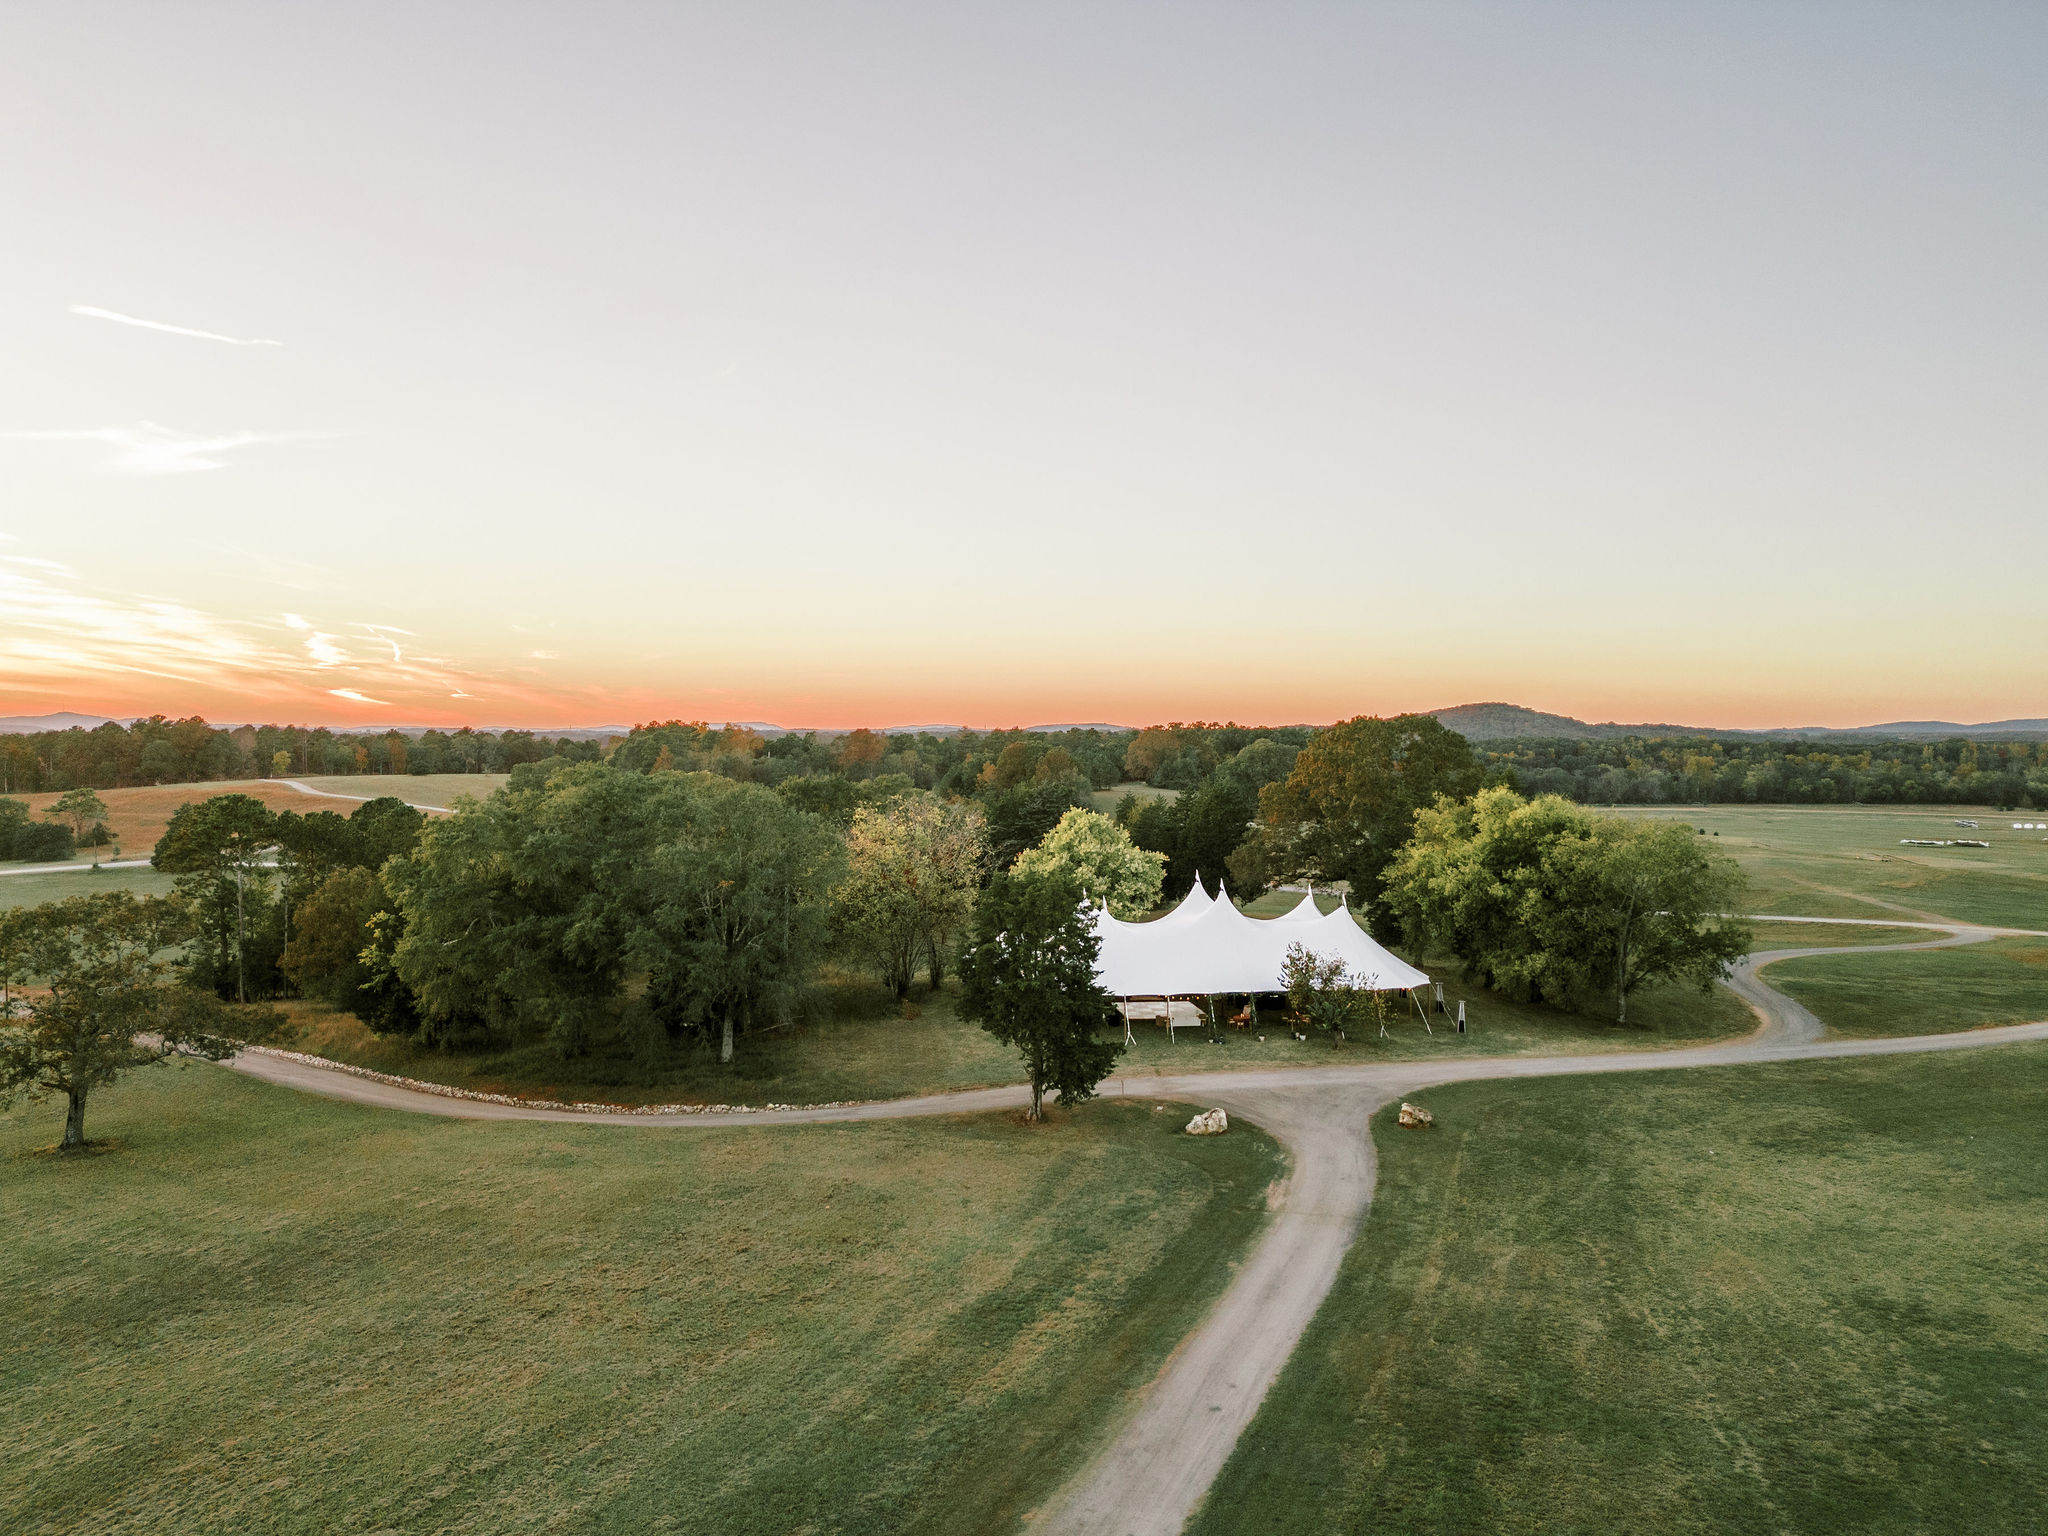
x: 1178, y: 1432
x: 334, y: 794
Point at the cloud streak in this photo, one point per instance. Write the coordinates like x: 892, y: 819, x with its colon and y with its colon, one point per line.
x: 149, y: 449
x: 61, y: 636
x: 94, y: 312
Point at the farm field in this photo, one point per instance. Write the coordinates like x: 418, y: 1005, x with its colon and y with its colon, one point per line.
x: 263, y: 1311
x: 437, y: 789
x: 2004, y: 981
x: 1805, y: 1297
x: 1846, y: 861
x: 139, y: 815
x: 1106, y: 799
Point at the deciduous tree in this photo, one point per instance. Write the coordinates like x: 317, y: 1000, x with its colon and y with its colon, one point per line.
x: 222, y: 850
x: 1349, y: 803
x: 912, y: 870
x: 1028, y: 978
x: 107, y: 1004
x: 1103, y: 861
x: 1542, y: 898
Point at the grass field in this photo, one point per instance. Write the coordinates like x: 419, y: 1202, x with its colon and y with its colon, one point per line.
x: 1803, y: 1298
x: 1106, y: 799
x: 269, y: 1312
x: 138, y: 816
x: 442, y: 789
x: 1845, y: 861
x: 61, y: 885
x: 1834, y: 936
x: 2004, y: 981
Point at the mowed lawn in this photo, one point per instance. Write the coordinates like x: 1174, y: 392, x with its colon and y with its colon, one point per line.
x: 433, y: 789
x: 1807, y: 1297
x: 2003, y: 981
x: 268, y: 1312
x: 1847, y: 861
x: 1834, y: 936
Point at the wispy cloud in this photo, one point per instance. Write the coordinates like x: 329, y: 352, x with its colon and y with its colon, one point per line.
x: 545, y: 655
x: 59, y: 633
x: 149, y: 449
x: 95, y: 312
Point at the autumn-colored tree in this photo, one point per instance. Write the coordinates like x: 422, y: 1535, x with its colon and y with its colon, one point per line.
x: 860, y: 749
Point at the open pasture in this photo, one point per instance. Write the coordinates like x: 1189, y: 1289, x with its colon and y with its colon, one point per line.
x: 1799, y: 1297
x: 434, y: 789
x: 33, y: 889
x: 1846, y: 861
x: 268, y: 1312
x: 2004, y: 981
x: 139, y: 815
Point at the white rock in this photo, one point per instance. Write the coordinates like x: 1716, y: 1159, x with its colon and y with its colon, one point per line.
x: 1213, y: 1123
x: 1415, y: 1117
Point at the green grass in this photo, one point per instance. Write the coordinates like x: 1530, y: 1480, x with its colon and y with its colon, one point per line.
x: 870, y: 1048
x: 1845, y: 861
x: 1106, y: 799
x: 270, y: 1312
x: 1804, y: 1298
x: 1834, y: 936
x: 2004, y: 981
x: 33, y: 890
x: 414, y: 788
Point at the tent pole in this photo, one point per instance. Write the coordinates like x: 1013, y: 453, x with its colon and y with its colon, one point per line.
x: 1419, y: 1009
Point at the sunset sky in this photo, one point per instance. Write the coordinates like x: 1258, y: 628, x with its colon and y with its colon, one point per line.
x: 836, y: 365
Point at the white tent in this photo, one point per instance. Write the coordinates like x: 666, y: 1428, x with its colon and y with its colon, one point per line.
x: 1206, y: 945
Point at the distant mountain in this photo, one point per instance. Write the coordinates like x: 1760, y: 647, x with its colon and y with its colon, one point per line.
x: 1511, y: 722
x: 1506, y: 722
x: 64, y: 720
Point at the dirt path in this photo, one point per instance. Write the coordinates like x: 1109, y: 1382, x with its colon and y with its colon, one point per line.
x: 330, y: 794
x: 1176, y: 1435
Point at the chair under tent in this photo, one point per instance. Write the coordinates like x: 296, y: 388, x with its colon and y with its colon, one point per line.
x: 1205, y: 947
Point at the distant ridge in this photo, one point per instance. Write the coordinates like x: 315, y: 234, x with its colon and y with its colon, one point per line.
x: 1511, y: 722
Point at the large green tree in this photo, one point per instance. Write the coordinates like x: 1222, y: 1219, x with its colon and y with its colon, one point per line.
x: 1028, y: 978
x: 913, y: 868
x: 223, y: 851
x: 105, y: 1002
x: 1349, y: 803
x: 1102, y: 860
x: 735, y: 908
x: 516, y: 911
x: 1542, y: 898
x: 330, y: 930
x: 551, y: 909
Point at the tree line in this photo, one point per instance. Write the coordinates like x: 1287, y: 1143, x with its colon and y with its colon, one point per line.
x: 190, y: 751
x: 1711, y: 770
x: 599, y: 905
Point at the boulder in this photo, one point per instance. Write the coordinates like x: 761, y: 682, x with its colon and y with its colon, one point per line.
x: 1415, y: 1118
x: 1212, y: 1123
